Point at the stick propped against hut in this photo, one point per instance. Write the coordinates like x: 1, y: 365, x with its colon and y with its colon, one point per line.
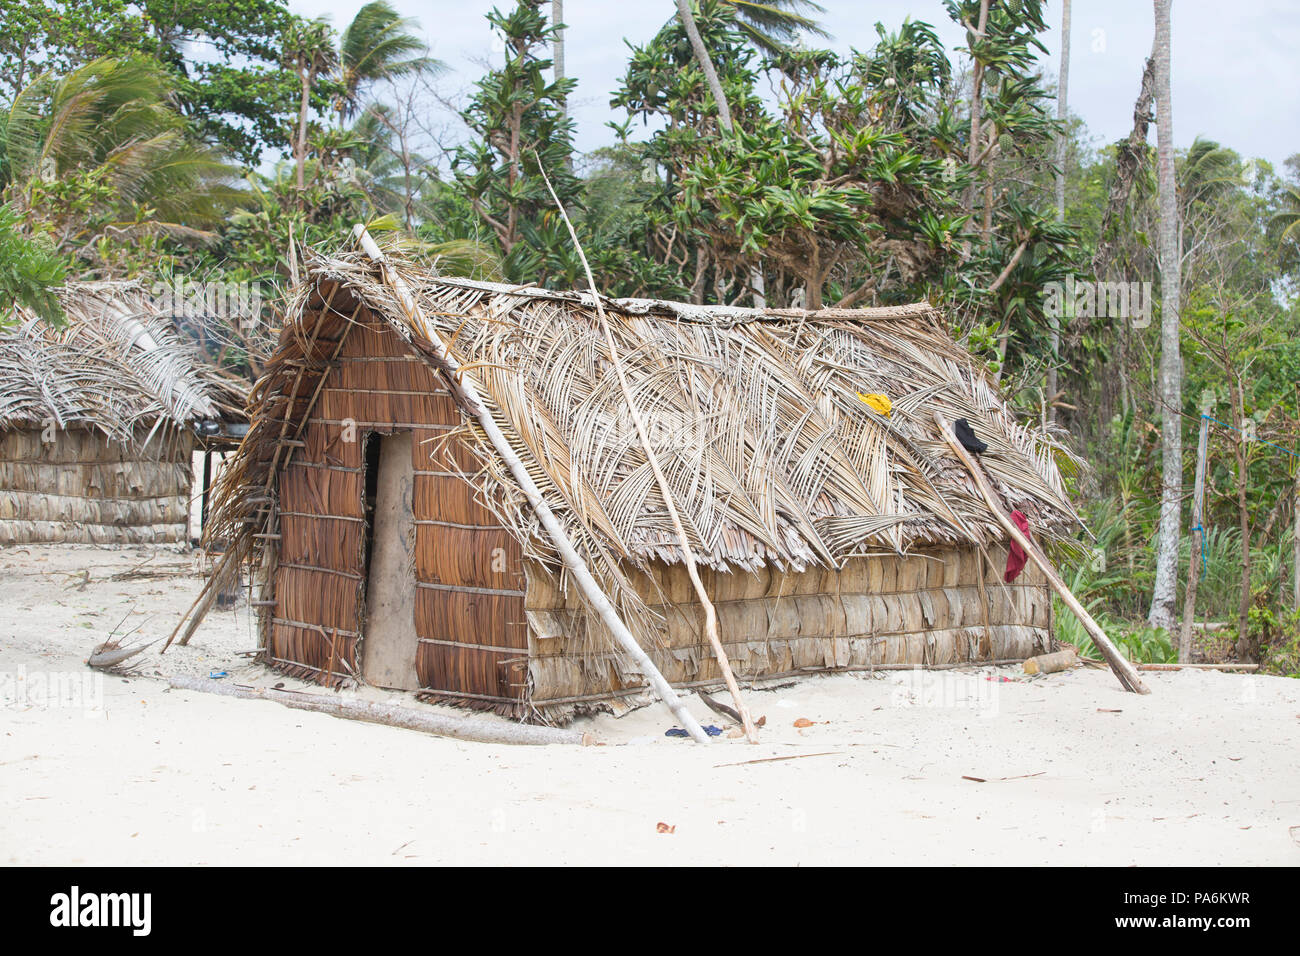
x: 99, y: 419
x: 393, y: 546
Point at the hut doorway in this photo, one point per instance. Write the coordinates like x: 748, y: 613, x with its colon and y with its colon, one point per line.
x: 390, y: 644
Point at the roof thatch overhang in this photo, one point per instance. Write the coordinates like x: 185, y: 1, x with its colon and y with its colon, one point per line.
x: 755, y: 417
x: 116, y: 364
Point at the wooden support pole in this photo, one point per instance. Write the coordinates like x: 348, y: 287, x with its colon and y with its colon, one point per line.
x: 462, y: 385
x: 392, y: 715
x: 683, y: 541
x: 203, y: 603
x: 1123, y: 669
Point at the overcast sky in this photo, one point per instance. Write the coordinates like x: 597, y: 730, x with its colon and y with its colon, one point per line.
x: 1236, y: 68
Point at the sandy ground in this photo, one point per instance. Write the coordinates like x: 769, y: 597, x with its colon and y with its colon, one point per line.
x: 109, y: 770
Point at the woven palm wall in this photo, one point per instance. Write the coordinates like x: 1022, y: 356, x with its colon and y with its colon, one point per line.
x: 468, y: 613
x: 934, y: 609
x: 79, y: 485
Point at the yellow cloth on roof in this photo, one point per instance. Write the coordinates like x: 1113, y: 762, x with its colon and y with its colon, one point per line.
x: 880, y: 403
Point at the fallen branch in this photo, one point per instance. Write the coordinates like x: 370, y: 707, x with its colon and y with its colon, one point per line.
x: 1051, y: 663
x: 1198, y: 667
x: 1123, y: 669
x: 719, y: 708
x: 110, y: 654
x: 742, y: 763
x: 392, y: 715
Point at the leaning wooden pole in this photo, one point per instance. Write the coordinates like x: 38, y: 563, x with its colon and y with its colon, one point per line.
x: 203, y: 603
x: 683, y: 541
x: 1123, y: 669
x: 590, y: 588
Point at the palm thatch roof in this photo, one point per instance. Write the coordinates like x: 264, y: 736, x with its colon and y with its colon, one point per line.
x: 756, y: 418
x: 117, y: 363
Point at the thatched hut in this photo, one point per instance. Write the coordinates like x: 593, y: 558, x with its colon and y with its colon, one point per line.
x: 98, y: 420
x: 392, y: 546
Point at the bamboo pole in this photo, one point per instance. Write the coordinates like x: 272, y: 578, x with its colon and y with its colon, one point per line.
x: 203, y: 603
x: 1123, y: 669
x: 392, y: 715
x: 688, y: 553
x: 591, y: 589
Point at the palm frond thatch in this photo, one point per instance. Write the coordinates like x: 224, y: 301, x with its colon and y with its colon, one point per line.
x: 756, y: 421
x: 117, y: 362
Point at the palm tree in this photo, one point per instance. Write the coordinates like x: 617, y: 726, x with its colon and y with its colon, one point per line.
x: 109, y: 127
x: 772, y: 27
x: 705, y: 62
x: 1170, y: 375
x: 309, y: 49
x: 377, y: 45
x: 1062, y: 105
x: 1283, y: 225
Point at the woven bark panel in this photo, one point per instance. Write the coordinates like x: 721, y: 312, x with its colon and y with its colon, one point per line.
x: 888, y: 612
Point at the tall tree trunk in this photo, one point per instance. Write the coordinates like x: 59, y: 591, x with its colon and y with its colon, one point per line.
x: 1246, y: 651
x: 1198, y: 544
x: 976, y: 108
x: 706, y: 63
x: 557, y: 61
x: 1165, y: 591
x: 1062, y: 105
x: 557, y: 54
x: 1295, y: 545
x: 300, y: 145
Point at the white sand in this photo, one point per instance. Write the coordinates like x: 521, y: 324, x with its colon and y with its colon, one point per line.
x: 1206, y: 770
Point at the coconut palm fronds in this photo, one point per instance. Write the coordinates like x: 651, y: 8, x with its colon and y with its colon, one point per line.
x: 755, y: 419
x: 117, y: 362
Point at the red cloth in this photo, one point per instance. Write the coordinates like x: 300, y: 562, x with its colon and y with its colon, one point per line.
x: 1016, y: 558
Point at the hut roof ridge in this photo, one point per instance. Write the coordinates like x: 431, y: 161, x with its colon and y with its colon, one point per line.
x: 758, y: 416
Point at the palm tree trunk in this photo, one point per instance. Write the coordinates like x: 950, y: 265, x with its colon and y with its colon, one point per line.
x: 976, y: 108
x: 557, y: 63
x: 300, y: 146
x: 706, y: 64
x: 1062, y: 102
x: 557, y: 54
x: 1171, y: 386
x: 1246, y: 652
x: 1198, y: 545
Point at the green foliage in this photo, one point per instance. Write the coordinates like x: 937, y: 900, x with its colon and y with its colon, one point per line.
x: 377, y: 45
x: 773, y: 26
x: 100, y: 159
x: 220, y: 55
x: 1277, y: 632
x: 518, y: 118
x: 29, y: 268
